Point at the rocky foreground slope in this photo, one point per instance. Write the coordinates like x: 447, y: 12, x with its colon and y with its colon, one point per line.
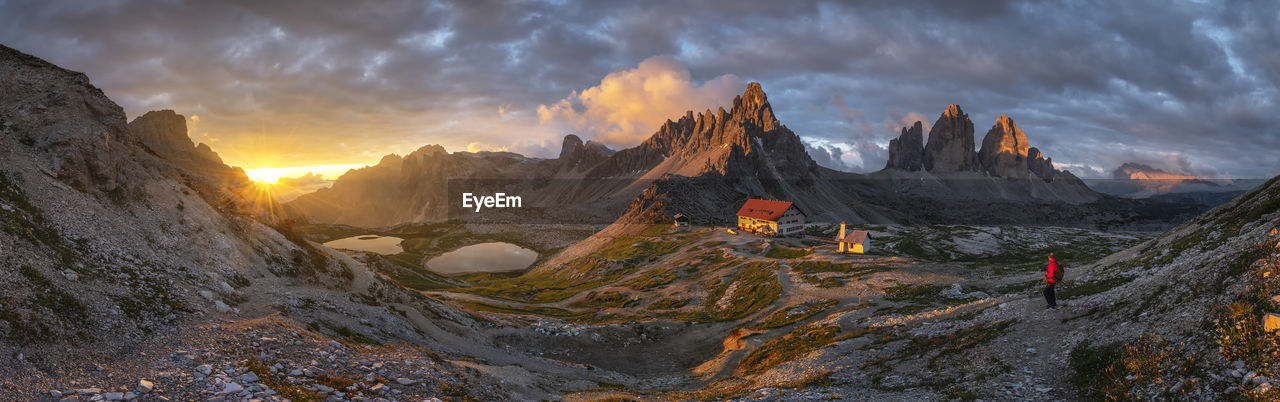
x: 132, y: 267
x: 1189, y: 315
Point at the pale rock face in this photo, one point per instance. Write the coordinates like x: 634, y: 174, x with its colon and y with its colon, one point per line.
x: 950, y: 147
x: 1004, y: 150
x: 907, y: 151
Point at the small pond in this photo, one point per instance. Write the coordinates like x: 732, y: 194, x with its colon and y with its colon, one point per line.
x: 370, y: 243
x: 484, y: 257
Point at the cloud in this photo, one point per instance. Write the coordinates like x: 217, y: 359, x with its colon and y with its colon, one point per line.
x: 897, y: 120
x: 287, y: 82
x: 289, y: 188
x: 828, y: 156
x: 629, y: 105
x: 863, y: 156
x: 479, y: 147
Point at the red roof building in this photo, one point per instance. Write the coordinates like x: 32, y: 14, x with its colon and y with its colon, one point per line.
x: 770, y: 217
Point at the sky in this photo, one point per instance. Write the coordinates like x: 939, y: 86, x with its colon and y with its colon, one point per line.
x: 1186, y: 86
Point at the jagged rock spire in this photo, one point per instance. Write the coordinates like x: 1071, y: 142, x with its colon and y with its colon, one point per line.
x: 1004, y: 150
x: 907, y: 151
x: 950, y: 147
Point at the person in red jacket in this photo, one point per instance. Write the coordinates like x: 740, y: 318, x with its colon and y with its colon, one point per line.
x: 1051, y: 277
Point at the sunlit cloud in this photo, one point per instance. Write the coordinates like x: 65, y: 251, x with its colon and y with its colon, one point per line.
x: 280, y: 84
x: 273, y: 175
x: 628, y: 105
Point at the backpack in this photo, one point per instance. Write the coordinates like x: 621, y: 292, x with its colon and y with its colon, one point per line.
x: 1057, y: 275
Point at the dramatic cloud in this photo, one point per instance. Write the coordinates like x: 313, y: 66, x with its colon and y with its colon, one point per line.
x: 1188, y: 86
x: 289, y: 188
x: 629, y: 105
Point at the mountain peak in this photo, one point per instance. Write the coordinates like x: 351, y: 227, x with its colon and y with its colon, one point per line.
x: 754, y: 91
x: 570, y: 141
x: 163, y: 131
x: 950, y: 146
x: 753, y: 107
x: 1005, y: 149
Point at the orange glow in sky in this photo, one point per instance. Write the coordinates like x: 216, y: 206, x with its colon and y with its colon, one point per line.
x: 272, y: 175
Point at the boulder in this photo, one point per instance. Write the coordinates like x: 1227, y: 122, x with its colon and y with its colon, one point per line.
x: 950, y: 146
x: 1271, y: 322
x: 1004, y: 150
x: 231, y: 388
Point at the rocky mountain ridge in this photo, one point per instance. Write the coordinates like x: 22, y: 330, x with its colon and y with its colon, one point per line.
x: 705, y: 164
x: 745, y: 142
x: 115, y: 266
x: 1005, y: 151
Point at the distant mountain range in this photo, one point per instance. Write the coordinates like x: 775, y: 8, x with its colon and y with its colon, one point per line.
x: 705, y: 164
x: 1137, y: 180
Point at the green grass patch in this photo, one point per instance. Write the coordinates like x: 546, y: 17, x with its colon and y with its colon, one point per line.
x: 792, y: 346
x: 529, y: 310
x: 940, y: 347
x: 754, y: 287
x: 1238, y: 329
x: 1074, y: 289
x: 1110, y: 372
x: 651, y: 279
x: 813, y: 267
x: 669, y: 303
x: 285, y: 389
x: 796, y: 313
x: 620, y: 257
x: 351, y: 335
x: 784, y: 252
x: 828, y: 282
x: 913, y: 293
x: 605, y: 300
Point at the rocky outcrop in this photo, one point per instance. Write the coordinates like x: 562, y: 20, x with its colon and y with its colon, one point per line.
x: 165, y: 132
x: 742, y: 140
x: 576, y: 155
x: 1038, y: 165
x: 60, y: 114
x: 907, y: 151
x: 570, y: 142
x: 1004, y: 150
x: 950, y: 147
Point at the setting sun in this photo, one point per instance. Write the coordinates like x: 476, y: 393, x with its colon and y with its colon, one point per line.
x: 265, y: 175
x: 273, y: 175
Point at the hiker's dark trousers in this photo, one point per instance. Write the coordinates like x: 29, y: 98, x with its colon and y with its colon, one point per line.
x: 1050, y: 296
